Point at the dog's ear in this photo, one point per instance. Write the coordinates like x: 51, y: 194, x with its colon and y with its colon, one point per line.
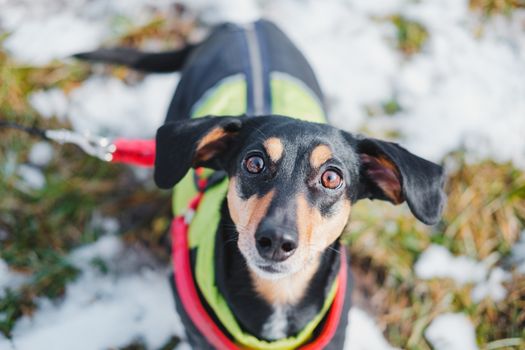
x: 390, y: 172
x: 190, y: 143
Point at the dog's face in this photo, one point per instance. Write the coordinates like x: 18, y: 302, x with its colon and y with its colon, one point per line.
x: 292, y: 183
x: 290, y: 193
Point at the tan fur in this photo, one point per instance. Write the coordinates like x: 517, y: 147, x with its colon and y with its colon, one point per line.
x: 288, y: 290
x: 315, y: 233
x: 206, y: 149
x: 320, y: 154
x: 247, y: 214
x: 391, y: 187
x: 319, y: 231
x: 274, y: 148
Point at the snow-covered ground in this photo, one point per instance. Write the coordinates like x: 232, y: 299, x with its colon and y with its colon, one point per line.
x: 518, y: 253
x: 438, y: 262
x: 129, y: 300
x: 464, y: 90
x: 461, y: 91
x: 451, y: 332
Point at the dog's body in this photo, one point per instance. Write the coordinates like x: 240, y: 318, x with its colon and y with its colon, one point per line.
x: 277, y: 217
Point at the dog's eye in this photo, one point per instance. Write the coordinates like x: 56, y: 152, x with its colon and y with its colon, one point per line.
x: 254, y: 164
x: 331, y: 179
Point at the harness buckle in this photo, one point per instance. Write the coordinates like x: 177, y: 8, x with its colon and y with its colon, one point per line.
x: 188, y: 216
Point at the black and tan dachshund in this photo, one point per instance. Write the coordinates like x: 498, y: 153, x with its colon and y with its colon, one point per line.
x: 290, y: 183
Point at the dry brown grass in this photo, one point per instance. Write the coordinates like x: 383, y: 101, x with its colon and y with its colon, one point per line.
x: 485, y: 213
x: 486, y: 208
x: 492, y: 7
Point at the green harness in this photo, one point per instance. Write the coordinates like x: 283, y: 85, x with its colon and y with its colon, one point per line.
x: 289, y: 97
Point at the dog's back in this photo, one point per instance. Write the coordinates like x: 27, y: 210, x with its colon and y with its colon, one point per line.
x: 256, y: 66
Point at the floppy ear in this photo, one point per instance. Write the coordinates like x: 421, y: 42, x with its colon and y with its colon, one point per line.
x: 390, y: 172
x: 190, y: 143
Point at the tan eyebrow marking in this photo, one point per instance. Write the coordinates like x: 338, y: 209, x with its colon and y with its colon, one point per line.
x: 274, y: 148
x: 319, y: 155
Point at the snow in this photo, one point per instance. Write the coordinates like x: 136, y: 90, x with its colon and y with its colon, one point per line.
x: 493, y: 287
x: 219, y: 11
x: 451, y: 332
x: 128, y: 110
x: 349, y: 53
x: 30, y: 43
x: 133, y: 301
x: 464, y: 90
x: 50, y: 103
x: 43, y: 31
x: 437, y: 262
x: 518, y: 253
x: 460, y: 92
x: 41, y: 153
x: 31, y: 177
x: 9, y: 279
x: 362, y: 333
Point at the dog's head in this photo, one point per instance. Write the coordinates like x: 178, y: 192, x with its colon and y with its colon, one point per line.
x: 292, y: 183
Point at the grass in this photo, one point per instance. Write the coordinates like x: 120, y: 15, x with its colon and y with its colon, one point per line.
x: 44, y: 225
x: 411, y: 35
x: 494, y: 7
x: 486, y: 211
x: 484, y: 215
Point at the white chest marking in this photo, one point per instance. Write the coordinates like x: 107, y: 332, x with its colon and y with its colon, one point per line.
x: 277, y: 324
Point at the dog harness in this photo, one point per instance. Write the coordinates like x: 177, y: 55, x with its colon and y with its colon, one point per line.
x: 204, y: 279
x: 197, y: 201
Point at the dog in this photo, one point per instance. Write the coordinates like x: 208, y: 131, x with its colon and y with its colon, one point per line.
x: 261, y: 216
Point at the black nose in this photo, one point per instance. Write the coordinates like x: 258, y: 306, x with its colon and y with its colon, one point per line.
x: 275, y: 246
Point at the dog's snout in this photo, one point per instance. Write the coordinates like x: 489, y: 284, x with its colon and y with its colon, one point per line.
x: 276, y: 246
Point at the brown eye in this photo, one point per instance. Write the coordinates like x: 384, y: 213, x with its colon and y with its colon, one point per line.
x: 254, y: 164
x: 331, y: 179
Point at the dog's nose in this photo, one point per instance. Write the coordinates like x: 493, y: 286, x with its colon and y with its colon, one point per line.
x: 275, y: 246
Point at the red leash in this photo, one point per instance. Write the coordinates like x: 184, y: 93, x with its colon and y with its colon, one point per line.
x: 129, y: 151
x: 134, y: 152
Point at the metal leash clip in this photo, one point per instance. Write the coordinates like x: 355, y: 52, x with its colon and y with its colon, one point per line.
x: 96, y: 146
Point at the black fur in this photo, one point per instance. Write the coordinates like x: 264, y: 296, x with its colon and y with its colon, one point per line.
x: 161, y: 62
x: 177, y: 142
x: 250, y: 309
x: 421, y: 181
x: 224, y: 54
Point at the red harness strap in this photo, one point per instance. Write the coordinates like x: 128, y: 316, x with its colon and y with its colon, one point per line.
x: 191, y: 302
